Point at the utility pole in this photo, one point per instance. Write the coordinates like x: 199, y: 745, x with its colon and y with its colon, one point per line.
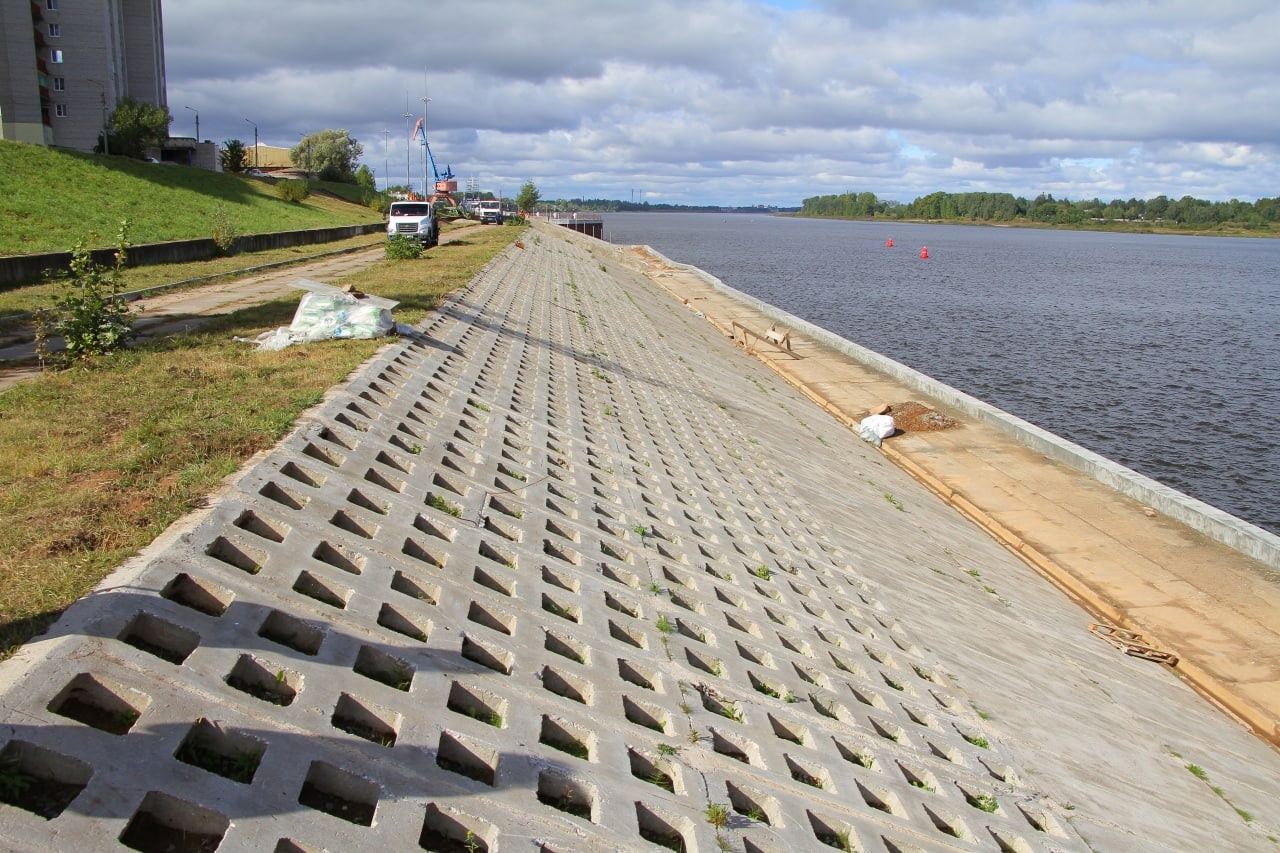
x: 197, y: 112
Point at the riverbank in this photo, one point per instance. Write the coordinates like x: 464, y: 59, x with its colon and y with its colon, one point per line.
x: 568, y: 569
x: 1104, y: 226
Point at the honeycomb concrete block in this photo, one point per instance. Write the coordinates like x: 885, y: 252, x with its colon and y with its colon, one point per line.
x: 564, y: 571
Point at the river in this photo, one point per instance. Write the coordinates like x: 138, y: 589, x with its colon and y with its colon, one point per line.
x: 1160, y: 352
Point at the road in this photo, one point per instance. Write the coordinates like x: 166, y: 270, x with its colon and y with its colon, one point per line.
x: 181, y: 310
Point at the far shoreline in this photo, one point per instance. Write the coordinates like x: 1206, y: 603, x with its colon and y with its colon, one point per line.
x: 1110, y: 227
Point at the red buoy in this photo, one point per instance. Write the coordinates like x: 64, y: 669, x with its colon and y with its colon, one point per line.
x: 889, y: 243
x: 924, y: 253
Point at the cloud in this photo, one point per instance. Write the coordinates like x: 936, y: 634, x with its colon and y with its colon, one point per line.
x: 746, y: 102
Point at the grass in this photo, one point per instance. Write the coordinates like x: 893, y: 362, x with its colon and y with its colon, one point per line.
x: 39, y: 186
x: 102, y: 458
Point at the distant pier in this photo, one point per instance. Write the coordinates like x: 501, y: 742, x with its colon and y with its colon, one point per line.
x: 591, y: 224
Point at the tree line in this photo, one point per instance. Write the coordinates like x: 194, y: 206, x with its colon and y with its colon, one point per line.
x: 1044, y: 208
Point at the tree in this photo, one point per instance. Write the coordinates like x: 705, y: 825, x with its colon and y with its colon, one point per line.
x: 234, y: 156
x: 134, y: 126
x: 528, y: 197
x: 330, y: 153
x: 364, y: 177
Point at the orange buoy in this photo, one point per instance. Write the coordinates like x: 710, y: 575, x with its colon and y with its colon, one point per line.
x: 924, y: 252
x: 889, y: 243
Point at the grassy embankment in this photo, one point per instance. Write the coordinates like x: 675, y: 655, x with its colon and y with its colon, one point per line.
x: 49, y: 199
x: 101, y: 458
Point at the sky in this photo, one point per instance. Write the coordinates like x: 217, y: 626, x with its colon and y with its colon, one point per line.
x: 751, y: 102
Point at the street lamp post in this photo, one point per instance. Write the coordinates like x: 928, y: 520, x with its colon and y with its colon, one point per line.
x: 408, y: 178
x: 197, y: 112
x: 255, y: 144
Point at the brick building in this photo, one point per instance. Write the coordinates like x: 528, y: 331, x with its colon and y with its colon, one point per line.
x: 64, y: 65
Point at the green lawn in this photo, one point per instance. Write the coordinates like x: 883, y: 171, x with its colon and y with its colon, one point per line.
x: 101, y: 458
x: 50, y: 198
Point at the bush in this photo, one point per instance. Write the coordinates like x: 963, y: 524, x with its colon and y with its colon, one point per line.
x: 89, y: 314
x: 294, y: 189
x: 224, y: 231
x: 402, y: 248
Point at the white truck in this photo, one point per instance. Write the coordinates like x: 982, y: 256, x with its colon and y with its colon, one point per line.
x: 415, y: 220
x: 489, y: 210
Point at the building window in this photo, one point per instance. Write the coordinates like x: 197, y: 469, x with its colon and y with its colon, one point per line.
x: 55, y: 56
x: 60, y: 110
x: 55, y: 30
x: 52, y: 5
x: 59, y: 84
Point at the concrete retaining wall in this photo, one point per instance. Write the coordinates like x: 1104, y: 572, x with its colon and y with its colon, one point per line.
x: 1236, y: 533
x: 16, y: 270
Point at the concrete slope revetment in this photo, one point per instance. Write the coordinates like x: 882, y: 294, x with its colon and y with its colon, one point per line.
x: 569, y: 571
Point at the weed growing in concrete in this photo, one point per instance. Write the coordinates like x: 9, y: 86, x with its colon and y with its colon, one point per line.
x: 13, y: 782
x: 665, y: 625
x: 983, y: 802
x: 717, y: 815
x: 666, y: 749
x: 896, y: 503
x: 762, y: 572
x: 978, y: 741
x: 437, y: 502
x: 1199, y: 772
x: 655, y: 588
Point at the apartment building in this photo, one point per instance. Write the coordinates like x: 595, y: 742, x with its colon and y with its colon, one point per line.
x: 64, y: 64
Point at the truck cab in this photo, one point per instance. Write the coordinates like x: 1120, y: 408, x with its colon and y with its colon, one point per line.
x: 489, y: 210
x: 415, y: 220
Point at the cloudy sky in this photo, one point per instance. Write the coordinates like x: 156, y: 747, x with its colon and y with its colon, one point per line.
x: 743, y: 102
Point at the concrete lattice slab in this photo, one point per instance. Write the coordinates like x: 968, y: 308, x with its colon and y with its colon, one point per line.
x: 559, y: 574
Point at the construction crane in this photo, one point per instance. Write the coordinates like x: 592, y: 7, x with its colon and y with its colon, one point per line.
x: 445, y: 185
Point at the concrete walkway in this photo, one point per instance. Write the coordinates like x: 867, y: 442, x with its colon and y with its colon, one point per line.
x: 562, y: 572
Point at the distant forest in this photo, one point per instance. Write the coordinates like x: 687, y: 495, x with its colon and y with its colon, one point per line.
x: 1002, y: 207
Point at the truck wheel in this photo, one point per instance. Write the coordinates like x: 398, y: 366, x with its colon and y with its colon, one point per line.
x: 434, y: 239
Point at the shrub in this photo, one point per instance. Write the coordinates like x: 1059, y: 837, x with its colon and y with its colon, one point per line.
x: 294, y: 189
x: 89, y: 313
x: 402, y: 248
x: 223, y: 231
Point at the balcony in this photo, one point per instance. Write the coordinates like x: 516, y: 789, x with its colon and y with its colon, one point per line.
x: 37, y: 13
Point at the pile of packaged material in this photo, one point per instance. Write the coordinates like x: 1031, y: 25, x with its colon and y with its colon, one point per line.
x: 329, y: 313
